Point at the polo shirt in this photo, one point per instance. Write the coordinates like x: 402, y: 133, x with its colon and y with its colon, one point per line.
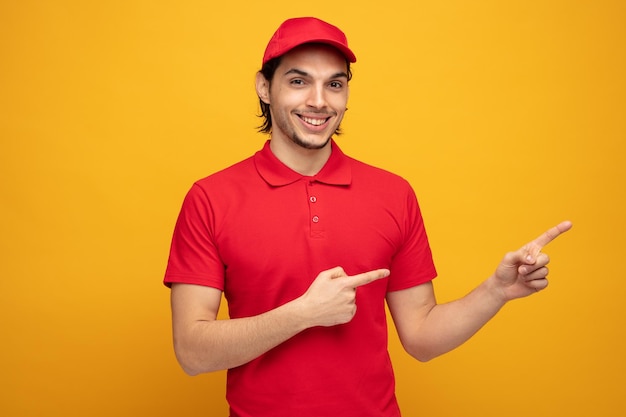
x: 262, y: 232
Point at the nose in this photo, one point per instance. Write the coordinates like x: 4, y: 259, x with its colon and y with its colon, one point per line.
x: 317, y: 97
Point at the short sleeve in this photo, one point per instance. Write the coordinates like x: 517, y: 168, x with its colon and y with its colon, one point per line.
x: 193, y: 257
x: 413, y: 263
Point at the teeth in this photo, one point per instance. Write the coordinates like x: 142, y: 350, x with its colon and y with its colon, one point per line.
x: 314, y: 122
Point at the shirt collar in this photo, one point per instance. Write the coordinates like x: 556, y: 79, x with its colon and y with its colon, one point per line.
x: 336, y: 171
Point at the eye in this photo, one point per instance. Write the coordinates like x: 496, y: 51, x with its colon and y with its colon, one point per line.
x: 297, y: 81
x: 336, y: 84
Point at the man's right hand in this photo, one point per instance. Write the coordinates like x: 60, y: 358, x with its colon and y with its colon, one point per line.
x: 331, y: 298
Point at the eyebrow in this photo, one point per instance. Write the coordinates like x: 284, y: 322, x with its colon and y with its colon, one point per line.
x: 306, y: 74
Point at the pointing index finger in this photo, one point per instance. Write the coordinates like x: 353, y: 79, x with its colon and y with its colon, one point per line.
x: 367, y: 277
x: 552, y: 233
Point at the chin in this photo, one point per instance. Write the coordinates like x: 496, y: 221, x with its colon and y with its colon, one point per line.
x: 308, y: 144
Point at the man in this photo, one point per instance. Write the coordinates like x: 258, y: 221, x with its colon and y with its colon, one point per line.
x: 307, y: 244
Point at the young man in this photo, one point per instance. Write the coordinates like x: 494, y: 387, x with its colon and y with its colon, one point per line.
x: 307, y: 244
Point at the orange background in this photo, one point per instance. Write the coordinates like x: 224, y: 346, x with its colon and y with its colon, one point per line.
x: 506, y: 117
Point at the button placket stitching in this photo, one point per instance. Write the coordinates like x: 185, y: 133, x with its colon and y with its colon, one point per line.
x: 316, y: 228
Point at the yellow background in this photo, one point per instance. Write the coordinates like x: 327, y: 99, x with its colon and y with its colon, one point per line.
x: 506, y: 116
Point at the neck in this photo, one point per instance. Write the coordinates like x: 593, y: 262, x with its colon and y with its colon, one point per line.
x: 304, y: 161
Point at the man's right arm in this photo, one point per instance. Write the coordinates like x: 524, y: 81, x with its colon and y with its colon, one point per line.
x: 204, y: 344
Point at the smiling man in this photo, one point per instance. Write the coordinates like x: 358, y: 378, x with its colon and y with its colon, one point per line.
x: 306, y: 96
x: 307, y: 245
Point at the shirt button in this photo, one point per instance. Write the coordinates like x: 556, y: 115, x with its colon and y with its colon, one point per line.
x: 312, y: 199
x: 316, y: 219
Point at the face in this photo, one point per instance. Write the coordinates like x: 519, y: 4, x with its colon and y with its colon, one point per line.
x: 307, y: 96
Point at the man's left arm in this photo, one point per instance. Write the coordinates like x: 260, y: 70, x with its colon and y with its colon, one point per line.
x: 427, y: 329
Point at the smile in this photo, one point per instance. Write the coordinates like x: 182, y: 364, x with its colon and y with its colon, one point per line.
x: 314, y: 121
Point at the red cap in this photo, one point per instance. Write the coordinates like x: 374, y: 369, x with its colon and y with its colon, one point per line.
x: 301, y: 30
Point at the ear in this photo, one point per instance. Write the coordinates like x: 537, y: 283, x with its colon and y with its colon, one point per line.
x: 262, y: 88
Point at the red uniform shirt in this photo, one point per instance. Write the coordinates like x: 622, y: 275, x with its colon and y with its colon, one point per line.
x: 262, y: 233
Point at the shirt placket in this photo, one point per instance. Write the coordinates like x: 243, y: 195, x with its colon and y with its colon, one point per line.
x: 316, y: 221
